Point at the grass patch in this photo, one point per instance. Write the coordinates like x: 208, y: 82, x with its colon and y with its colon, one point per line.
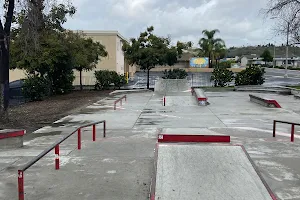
x: 295, y: 87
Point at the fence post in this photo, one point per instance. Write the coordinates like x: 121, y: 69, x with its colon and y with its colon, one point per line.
x: 79, y: 139
x: 57, y: 157
x: 21, y: 184
x: 94, y: 132
x: 104, y: 129
x: 274, y: 128
x: 121, y: 102
x: 114, y: 105
x: 292, y: 132
x: 164, y: 100
x: 125, y: 98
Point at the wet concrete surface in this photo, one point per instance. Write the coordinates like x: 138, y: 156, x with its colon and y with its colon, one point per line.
x: 121, y: 165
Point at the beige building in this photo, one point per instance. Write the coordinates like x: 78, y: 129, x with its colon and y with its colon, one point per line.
x: 115, y: 61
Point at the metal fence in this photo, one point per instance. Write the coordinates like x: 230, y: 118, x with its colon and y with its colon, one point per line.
x: 195, y: 79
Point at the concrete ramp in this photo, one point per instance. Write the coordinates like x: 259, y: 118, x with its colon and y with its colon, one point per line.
x: 181, y: 101
x: 207, y: 172
x: 165, y: 86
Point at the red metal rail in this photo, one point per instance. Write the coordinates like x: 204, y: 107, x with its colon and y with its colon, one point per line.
x: 283, y: 122
x: 55, y: 146
x: 119, y: 100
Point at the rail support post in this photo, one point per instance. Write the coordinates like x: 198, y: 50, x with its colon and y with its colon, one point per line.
x: 115, y: 106
x: 104, y: 129
x: 57, y: 157
x: 164, y: 101
x: 292, y: 132
x: 94, y: 132
x: 274, y: 128
x: 121, y: 102
x: 21, y: 184
x: 125, y: 98
x: 79, y: 139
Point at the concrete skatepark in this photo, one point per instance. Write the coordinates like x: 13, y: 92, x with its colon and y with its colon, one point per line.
x: 121, y: 166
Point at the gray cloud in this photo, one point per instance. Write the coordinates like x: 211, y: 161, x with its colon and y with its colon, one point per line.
x: 238, y: 20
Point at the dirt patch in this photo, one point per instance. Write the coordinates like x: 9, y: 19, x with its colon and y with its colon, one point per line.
x: 34, y: 115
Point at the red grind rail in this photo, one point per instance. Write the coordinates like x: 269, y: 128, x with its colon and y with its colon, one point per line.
x: 55, y: 146
x: 193, y: 138
x: 119, y: 100
x: 292, y: 129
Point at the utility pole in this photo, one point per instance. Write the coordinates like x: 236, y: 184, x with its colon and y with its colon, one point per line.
x: 274, y: 61
x: 287, y: 49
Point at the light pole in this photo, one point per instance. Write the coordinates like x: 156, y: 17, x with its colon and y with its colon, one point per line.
x: 274, y: 61
x: 287, y: 49
x: 287, y: 46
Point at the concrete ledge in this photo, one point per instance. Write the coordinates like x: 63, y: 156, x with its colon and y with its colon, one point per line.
x: 11, y: 138
x: 264, y: 101
x: 262, y: 89
x: 200, y: 96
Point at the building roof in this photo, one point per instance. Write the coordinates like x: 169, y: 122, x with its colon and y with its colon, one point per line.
x: 99, y: 32
x: 186, y: 56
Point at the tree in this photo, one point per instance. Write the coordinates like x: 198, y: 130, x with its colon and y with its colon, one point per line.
x: 220, y: 52
x: 44, y: 48
x: 149, y: 50
x: 252, y: 75
x: 4, y: 58
x: 86, y: 53
x: 221, y: 76
x: 286, y: 11
x: 267, y: 57
x: 208, y: 44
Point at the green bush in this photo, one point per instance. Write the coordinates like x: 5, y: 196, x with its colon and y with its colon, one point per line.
x: 221, y: 76
x: 36, y: 88
x: 226, y: 64
x: 105, y: 78
x: 175, y: 74
x: 117, y: 80
x: 250, y: 76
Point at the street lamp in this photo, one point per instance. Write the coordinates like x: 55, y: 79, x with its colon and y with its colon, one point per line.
x: 287, y: 46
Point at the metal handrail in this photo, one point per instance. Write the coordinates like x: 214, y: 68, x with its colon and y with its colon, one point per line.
x: 119, y: 100
x: 56, y: 147
x: 285, y: 122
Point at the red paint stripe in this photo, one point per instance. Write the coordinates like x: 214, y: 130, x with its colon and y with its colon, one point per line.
x: 202, y: 99
x: 12, y: 134
x: 193, y: 138
x: 274, y: 102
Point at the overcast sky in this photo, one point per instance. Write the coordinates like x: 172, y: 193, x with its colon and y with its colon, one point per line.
x: 239, y: 21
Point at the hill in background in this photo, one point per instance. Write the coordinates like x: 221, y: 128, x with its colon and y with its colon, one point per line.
x: 258, y: 50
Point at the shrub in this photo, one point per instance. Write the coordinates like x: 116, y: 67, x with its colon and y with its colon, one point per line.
x: 175, y: 74
x: 250, y: 76
x: 226, y: 64
x: 36, y: 88
x: 105, y: 78
x: 117, y: 80
x: 221, y: 76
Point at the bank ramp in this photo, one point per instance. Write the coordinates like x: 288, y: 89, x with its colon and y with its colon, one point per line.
x: 207, y: 171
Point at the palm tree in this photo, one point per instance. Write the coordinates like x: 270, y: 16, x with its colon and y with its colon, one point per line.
x: 220, y: 52
x: 209, y: 44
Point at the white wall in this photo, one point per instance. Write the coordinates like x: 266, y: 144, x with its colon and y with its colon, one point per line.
x: 244, y: 62
x: 120, y: 56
